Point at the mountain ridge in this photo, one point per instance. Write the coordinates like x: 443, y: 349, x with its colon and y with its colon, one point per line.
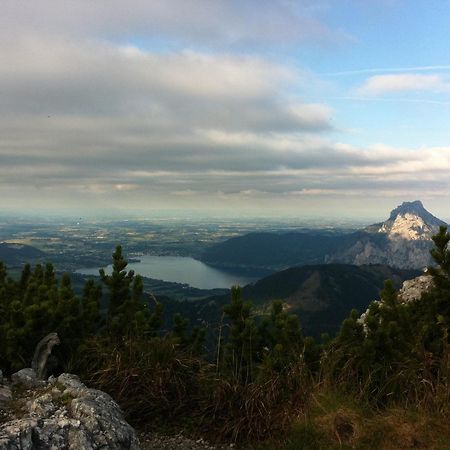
x: 322, y: 295
x: 416, y: 207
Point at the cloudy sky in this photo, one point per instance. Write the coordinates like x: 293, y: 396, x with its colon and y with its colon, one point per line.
x: 264, y: 107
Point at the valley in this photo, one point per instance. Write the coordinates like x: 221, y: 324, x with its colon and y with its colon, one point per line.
x: 76, y: 243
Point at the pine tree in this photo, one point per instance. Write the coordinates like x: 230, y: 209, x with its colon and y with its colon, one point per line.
x: 118, y: 283
x: 192, y: 343
x: 68, y: 316
x: 282, y: 341
x: 128, y: 314
x: 90, y: 308
x: 242, y: 347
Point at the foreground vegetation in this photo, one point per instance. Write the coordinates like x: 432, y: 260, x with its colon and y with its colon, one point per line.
x: 382, y: 382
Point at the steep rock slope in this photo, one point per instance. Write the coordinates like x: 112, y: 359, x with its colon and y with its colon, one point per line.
x: 403, y: 240
x: 410, y: 221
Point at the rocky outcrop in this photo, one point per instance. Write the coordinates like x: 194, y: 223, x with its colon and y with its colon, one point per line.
x: 412, y: 290
x: 61, y: 413
x: 27, y: 378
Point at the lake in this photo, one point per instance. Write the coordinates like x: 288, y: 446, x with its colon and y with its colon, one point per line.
x: 181, y: 269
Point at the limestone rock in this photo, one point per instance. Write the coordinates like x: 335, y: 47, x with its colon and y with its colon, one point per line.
x: 5, y: 394
x: 18, y: 435
x: 64, y: 414
x: 26, y: 377
x: 412, y: 290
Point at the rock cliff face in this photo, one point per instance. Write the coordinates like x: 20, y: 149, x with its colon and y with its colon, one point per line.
x: 61, y: 413
x: 402, y: 241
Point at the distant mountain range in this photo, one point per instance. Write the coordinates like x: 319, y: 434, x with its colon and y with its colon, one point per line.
x: 402, y: 241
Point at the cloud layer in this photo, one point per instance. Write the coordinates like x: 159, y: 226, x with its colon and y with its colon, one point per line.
x: 156, y: 104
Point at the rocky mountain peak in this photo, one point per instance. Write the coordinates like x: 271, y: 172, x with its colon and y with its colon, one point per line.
x: 410, y: 221
x: 416, y: 208
x: 403, y: 240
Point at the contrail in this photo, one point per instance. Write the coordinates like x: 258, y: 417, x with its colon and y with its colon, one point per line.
x: 388, y: 69
x: 387, y: 99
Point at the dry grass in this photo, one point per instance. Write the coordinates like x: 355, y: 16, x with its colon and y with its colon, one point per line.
x: 156, y: 383
x: 254, y: 411
x: 343, y: 426
x: 151, y: 379
x: 332, y: 421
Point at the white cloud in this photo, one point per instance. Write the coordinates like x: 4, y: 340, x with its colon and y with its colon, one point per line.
x: 48, y: 77
x: 382, y: 84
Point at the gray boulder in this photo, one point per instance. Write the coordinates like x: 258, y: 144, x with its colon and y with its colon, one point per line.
x: 66, y: 415
x: 412, y: 290
x: 5, y: 394
x: 27, y: 378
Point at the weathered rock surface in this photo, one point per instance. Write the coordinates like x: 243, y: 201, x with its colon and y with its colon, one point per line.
x: 64, y: 414
x: 5, y: 394
x: 27, y: 378
x: 412, y: 290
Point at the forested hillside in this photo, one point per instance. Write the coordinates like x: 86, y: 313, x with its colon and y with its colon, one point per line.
x: 274, y: 251
x: 322, y: 296
x: 18, y: 254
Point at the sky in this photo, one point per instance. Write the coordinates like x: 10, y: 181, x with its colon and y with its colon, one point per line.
x: 304, y: 108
